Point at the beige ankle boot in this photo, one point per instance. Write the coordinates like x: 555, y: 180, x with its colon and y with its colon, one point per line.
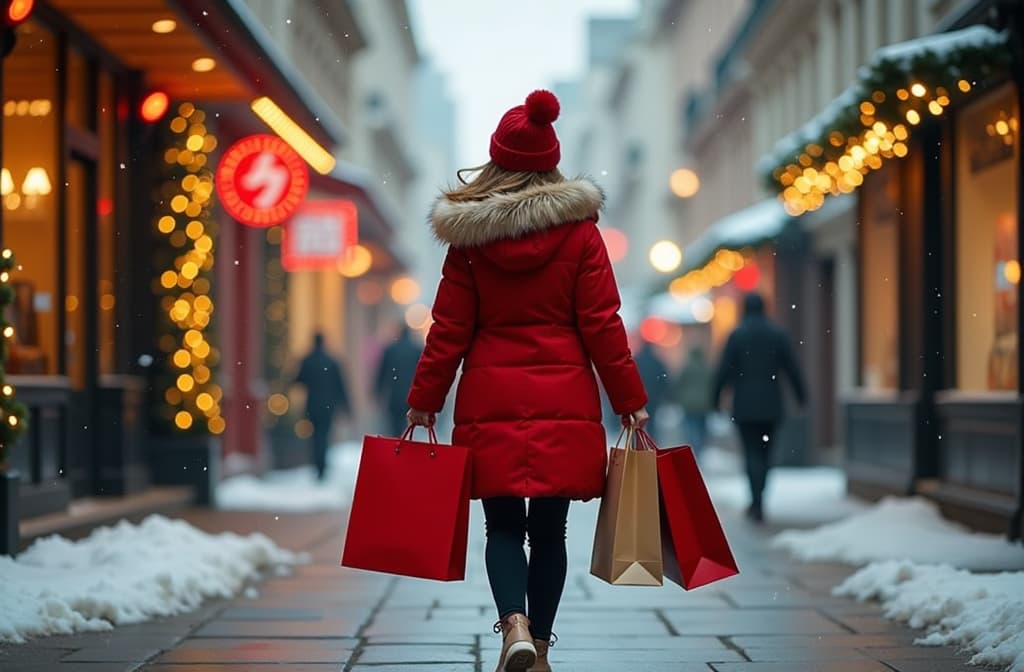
x: 518, y: 653
x: 542, y: 665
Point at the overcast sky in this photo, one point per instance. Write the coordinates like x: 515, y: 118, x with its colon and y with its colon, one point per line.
x: 497, y: 51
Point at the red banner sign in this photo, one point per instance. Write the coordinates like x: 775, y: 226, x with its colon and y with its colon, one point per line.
x: 319, y: 235
x: 261, y: 180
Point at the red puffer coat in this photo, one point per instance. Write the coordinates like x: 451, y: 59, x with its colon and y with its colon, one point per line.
x: 528, y: 305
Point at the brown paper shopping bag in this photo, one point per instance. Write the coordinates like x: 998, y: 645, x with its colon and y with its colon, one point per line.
x: 627, y: 543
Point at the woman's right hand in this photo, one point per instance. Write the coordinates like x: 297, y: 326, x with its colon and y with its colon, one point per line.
x: 636, y: 419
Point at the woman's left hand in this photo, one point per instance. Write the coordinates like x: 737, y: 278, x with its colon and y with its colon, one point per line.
x: 420, y: 418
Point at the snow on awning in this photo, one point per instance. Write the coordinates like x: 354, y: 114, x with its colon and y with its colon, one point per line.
x: 871, y: 121
x: 750, y: 227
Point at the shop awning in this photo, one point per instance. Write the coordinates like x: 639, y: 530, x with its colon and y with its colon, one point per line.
x: 749, y: 227
x: 871, y: 121
x: 245, y: 61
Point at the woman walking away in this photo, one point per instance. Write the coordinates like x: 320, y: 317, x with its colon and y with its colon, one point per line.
x: 528, y: 306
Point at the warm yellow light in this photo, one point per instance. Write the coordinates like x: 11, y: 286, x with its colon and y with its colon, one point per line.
x: 665, y: 256
x: 8, y: 391
x: 356, y: 262
x: 289, y: 131
x: 918, y: 89
x: 189, y: 270
x: 8, y: 331
x: 1002, y: 128
x: 107, y: 302
x: 204, y: 304
x: 417, y: 316
x: 404, y: 291
x: 902, y: 94
x: 193, y: 338
x: 935, y: 108
x: 6, y: 182
x: 1011, y: 271
x: 278, y: 404
x: 204, y: 244
x: 304, y: 429
x: 194, y: 229
x: 182, y: 359
x: 71, y: 303
x: 216, y: 425
x: 186, y: 382
x: 867, y: 107
x: 899, y: 149
x: 4, y: 276
x: 964, y: 85
x: 203, y: 65
x: 165, y: 224
x: 179, y: 203
x: 684, y: 183
x: 183, y: 419
x: 204, y: 401
x: 37, y: 182
x: 164, y: 26
x: 12, y: 420
x: 900, y: 132
x: 913, y: 117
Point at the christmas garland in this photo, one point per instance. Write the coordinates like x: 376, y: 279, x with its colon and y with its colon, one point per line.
x: 12, y: 413
x: 872, y: 120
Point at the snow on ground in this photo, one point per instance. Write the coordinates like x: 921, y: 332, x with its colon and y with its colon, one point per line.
x: 294, y: 490
x: 796, y: 496
x: 902, y: 529
x: 982, y: 613
x: 126, y: 574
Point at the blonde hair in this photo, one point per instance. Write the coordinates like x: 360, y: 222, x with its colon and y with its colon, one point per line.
x: 493, y: 179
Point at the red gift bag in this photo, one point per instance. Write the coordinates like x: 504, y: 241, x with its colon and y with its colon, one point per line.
x: 695, y: 551
x: 410, y: 509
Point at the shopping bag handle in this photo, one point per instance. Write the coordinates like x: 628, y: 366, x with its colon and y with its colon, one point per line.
x: 407, y: 435
x: 646, y: 439
x: 634, y: 437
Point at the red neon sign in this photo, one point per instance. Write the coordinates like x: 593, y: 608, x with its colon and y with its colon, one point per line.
x: 261, y: 180
x: 319, y: 235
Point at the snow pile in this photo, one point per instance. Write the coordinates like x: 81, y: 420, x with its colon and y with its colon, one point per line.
x: 982, y: 613
x: 294, y: 490
x: 126, y: 574
x: 793, y: 496
x: 902, y: 529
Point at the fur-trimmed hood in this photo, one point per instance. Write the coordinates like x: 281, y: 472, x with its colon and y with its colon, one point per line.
x: 509, y: 216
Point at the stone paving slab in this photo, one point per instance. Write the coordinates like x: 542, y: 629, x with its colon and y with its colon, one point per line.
x: 777, y: 615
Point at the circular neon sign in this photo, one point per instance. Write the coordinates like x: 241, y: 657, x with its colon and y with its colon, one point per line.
x: 261, y: 180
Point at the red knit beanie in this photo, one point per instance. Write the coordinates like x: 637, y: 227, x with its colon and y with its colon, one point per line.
x: 525, y: 139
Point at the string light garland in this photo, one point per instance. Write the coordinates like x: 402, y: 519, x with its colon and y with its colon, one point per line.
x: 872, y: 121
x: 192, y: 400
x: 12, y: 413
x: 715, y: 273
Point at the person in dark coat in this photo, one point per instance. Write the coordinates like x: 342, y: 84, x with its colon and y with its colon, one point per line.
x: 394, y: 377
x: 693, y: 393
x: 755, y: 355
x: 326, y: 392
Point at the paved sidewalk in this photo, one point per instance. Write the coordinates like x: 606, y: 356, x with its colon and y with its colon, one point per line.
x: 777, y: 616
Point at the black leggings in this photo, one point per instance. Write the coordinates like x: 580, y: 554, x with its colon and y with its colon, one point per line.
x: 513, y: 580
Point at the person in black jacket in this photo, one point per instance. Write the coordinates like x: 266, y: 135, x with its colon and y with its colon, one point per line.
x: 755, y: 355
x: 326, y: 392
x: 394, y: 377
x: 654, y: 375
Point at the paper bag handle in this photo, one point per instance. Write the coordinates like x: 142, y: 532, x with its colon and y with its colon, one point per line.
x: 407, y: 435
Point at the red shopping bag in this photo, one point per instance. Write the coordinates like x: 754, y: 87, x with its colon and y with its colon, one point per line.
x: 410, y: 510
x: 695, y: 551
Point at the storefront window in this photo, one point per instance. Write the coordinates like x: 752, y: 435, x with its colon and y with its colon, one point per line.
x: 879, y: 340
x: 30, y: 197
x: 988, y: 270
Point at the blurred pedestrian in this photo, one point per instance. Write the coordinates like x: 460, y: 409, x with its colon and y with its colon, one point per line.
x: 654, y: 373
x: 755, y: 355
x: 692, y: 391
x: 528, y: 306
x: 324, y: 380
x: 394, y: 376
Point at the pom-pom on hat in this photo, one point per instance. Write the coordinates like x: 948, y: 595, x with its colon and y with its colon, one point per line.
x: 525, y: 139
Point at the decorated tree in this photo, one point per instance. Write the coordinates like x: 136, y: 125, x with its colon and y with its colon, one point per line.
x: 12, y: 413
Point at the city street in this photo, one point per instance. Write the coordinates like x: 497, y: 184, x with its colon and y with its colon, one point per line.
x: 777, y: 615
